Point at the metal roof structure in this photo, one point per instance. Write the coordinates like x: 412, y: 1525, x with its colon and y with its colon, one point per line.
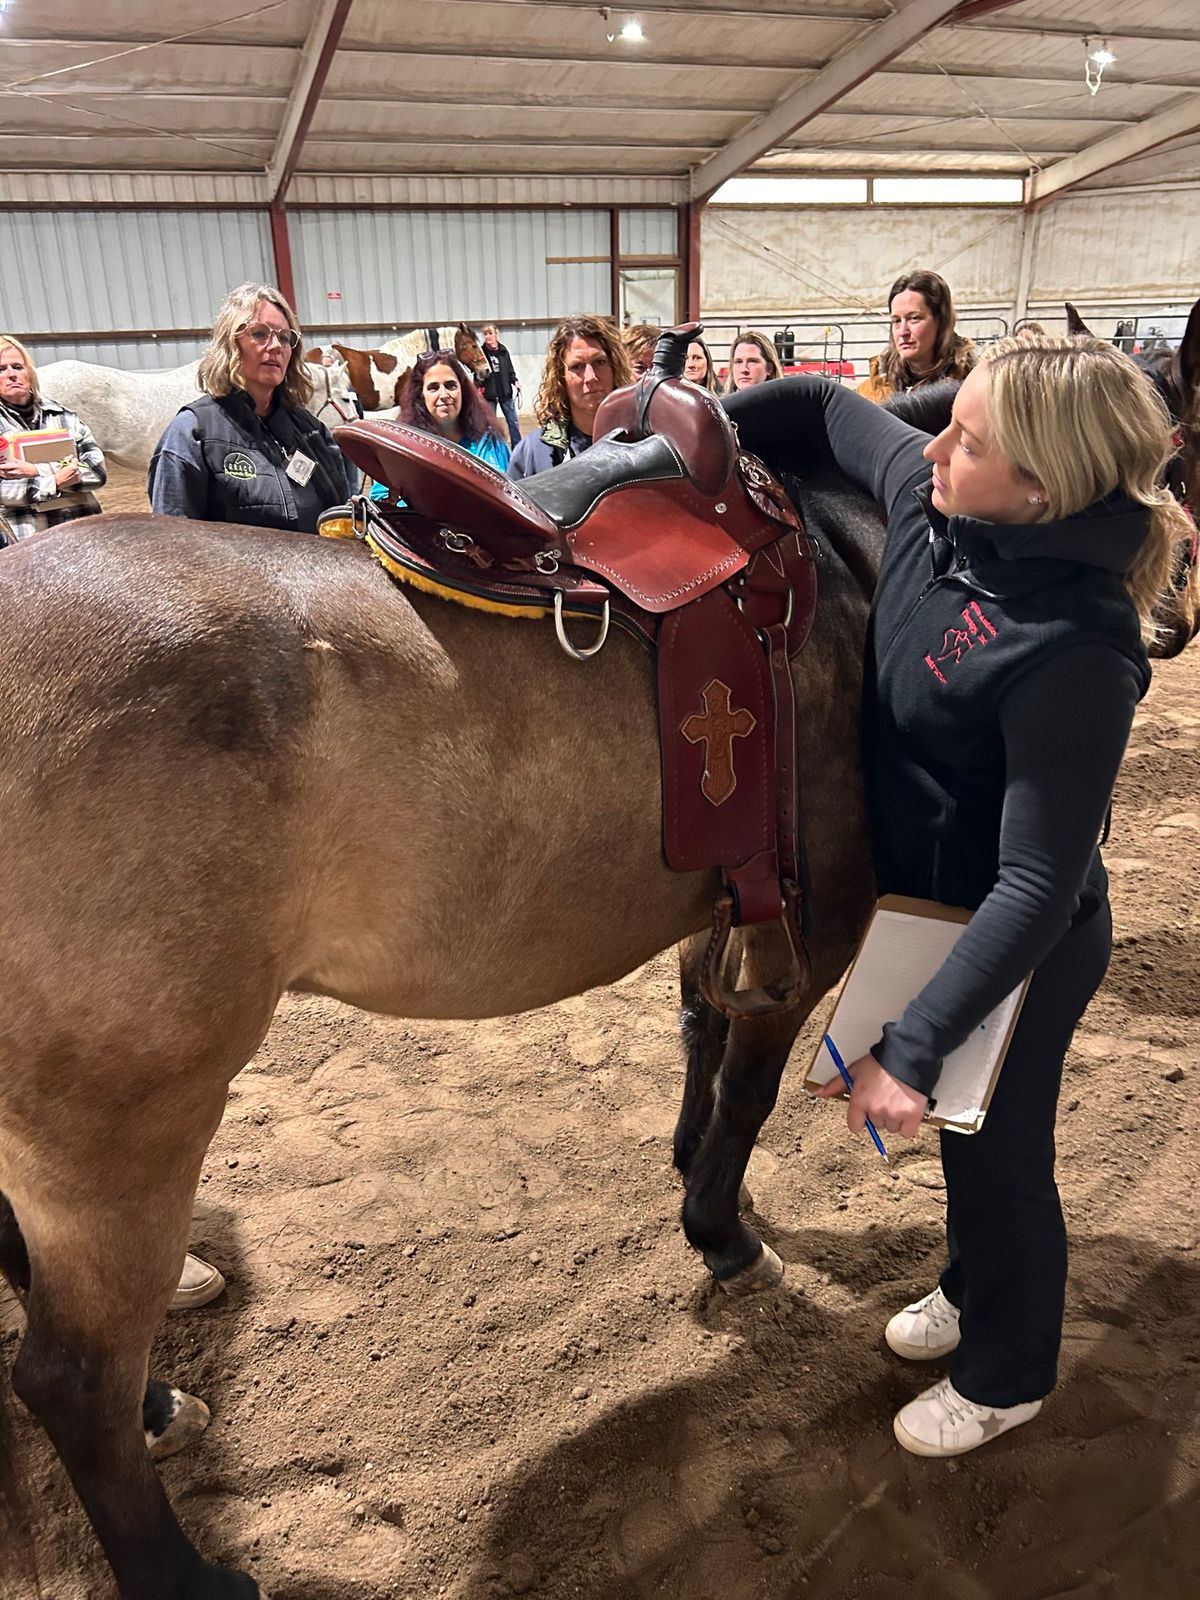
x: 544, y: 102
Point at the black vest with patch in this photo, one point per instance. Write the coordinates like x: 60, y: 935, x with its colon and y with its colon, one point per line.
x: 245, y: 459
x: 964, y: 610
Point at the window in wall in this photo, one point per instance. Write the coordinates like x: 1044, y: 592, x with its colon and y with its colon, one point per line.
x: 791, y: 192
x: 949, y: 191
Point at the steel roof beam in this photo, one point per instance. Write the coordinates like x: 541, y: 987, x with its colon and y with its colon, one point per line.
x: 867, y: 55
x: 315, y: 61
x: 1181, y: 118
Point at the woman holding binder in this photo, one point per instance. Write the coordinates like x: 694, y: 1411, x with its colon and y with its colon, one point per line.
x: 35, y: 495
x: 1026, y: 545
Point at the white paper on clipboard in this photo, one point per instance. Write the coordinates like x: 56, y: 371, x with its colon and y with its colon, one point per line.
x: 904, y: 945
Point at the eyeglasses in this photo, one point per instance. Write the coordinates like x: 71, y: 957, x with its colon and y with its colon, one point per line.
x: 262, y: 335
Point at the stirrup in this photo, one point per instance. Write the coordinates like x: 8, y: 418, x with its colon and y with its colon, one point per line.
x: 574, y: 651
x: 782, y: 993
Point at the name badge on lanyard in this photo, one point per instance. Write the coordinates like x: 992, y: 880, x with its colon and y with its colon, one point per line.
x: 300, y: 468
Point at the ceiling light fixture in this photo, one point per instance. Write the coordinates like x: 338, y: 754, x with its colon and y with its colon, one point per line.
x: 1094, y: 65
x: 631, y: 29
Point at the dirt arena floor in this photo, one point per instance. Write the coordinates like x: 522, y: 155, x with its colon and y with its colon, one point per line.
x: 466, y: 1353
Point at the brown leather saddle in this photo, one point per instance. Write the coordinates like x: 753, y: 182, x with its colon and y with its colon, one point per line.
x: 667, y: 528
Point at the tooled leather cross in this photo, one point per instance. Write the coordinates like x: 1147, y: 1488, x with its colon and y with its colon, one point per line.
x: 718, y: 728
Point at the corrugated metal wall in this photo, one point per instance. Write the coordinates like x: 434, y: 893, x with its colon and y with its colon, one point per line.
x: 72, y: 271
x: 756, y: 261
x: 649, y: 233
x: 1109, y: 245
x: 408, y: 268
x: 1121, y: 248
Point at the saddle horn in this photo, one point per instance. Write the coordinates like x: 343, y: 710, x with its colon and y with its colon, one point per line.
x: 670, y: 353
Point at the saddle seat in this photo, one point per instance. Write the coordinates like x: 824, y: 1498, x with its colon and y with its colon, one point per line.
x: 710, y: 506
x: 666, y: 526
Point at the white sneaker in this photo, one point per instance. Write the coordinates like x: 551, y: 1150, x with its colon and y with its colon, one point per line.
x: 942, y: 1422
x: 925, y: 1330
x: 199, y: 1284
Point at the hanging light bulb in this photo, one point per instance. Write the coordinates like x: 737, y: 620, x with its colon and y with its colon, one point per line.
x: 1093, y: 67
x: 631, y: 29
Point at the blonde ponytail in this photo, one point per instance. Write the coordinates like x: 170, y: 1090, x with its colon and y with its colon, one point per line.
x: 1079, y: 417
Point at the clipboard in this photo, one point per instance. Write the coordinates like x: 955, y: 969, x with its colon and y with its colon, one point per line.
x: 906, y: 942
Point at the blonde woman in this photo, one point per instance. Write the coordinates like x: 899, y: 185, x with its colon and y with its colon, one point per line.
x: 639, y: 340
x: 249, y: 450
x: 36, y: 496
x: 753, y: 359
x: 1026, y: 545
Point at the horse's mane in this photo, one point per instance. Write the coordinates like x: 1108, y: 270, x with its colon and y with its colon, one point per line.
x: 927, y: 408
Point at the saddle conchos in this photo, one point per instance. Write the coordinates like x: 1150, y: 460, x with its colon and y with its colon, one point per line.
x: 668, y: 529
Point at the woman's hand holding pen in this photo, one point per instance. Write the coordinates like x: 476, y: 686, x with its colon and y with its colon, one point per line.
x: 891, y: 1105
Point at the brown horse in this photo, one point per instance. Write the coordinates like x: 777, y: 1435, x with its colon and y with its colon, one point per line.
x: 234, y: 763
x: 1175, y: 374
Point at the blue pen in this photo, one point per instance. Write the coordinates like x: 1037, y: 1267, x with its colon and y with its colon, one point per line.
x: 849, y: 1082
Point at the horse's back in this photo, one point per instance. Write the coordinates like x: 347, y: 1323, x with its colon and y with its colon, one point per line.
x: 401, y: 802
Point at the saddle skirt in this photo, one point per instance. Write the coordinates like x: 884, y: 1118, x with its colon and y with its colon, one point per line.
x: 667, y: 528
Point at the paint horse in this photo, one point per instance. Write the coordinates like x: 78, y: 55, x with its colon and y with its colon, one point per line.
x: 378, y: 376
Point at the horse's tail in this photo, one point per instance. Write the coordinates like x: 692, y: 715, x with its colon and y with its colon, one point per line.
x: 18, y: 1567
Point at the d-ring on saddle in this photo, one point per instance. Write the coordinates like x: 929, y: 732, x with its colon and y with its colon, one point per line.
x: 665, y: 526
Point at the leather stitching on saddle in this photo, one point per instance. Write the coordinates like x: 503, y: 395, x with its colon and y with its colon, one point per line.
x: 431, y: 445
x: 727, y: 564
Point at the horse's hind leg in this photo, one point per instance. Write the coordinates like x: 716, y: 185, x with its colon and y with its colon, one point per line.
x: 755, y: 1055
x: 103, y: 1269
x: 704, y: 1032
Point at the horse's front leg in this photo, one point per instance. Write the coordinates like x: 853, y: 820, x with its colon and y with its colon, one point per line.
x: 756, y: 1053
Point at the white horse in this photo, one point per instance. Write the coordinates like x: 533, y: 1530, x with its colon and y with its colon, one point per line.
x: 128, y: 411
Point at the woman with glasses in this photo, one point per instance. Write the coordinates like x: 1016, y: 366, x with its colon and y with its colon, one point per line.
x: 248, y: 450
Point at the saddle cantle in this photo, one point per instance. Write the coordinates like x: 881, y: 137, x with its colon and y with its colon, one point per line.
x: 665, y: 526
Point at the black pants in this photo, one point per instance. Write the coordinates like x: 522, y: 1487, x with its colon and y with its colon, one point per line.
x: 1007, y: 1267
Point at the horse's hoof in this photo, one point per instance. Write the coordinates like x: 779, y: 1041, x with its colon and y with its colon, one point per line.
x: 188, y: 1420
x: 745, y: 1199
x: 765, y: 1272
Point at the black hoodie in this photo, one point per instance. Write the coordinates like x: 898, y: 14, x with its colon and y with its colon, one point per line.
x: 1003, y: 667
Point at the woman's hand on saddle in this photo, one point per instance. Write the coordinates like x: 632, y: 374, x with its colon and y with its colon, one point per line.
x: 19, y: 469
x: 891, y: 1105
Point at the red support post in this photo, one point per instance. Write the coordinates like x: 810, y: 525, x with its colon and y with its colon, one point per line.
x: 689, y: 255
x: 614, y: 262
x: 284, y: 277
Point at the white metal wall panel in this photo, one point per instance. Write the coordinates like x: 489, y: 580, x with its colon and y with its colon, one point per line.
x: 1139, y: 246
x: 483, y: 189
x: 408, y: 268
x: 133, y: 188
x: 649, y: 233
x: 791, y: 258
x: 76, y: 270
x: 130, y: 355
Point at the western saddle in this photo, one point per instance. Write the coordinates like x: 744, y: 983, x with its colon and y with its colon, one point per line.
x: 667, y: 528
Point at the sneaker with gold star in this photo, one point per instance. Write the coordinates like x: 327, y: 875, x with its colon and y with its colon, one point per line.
x: 942, y: 1422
